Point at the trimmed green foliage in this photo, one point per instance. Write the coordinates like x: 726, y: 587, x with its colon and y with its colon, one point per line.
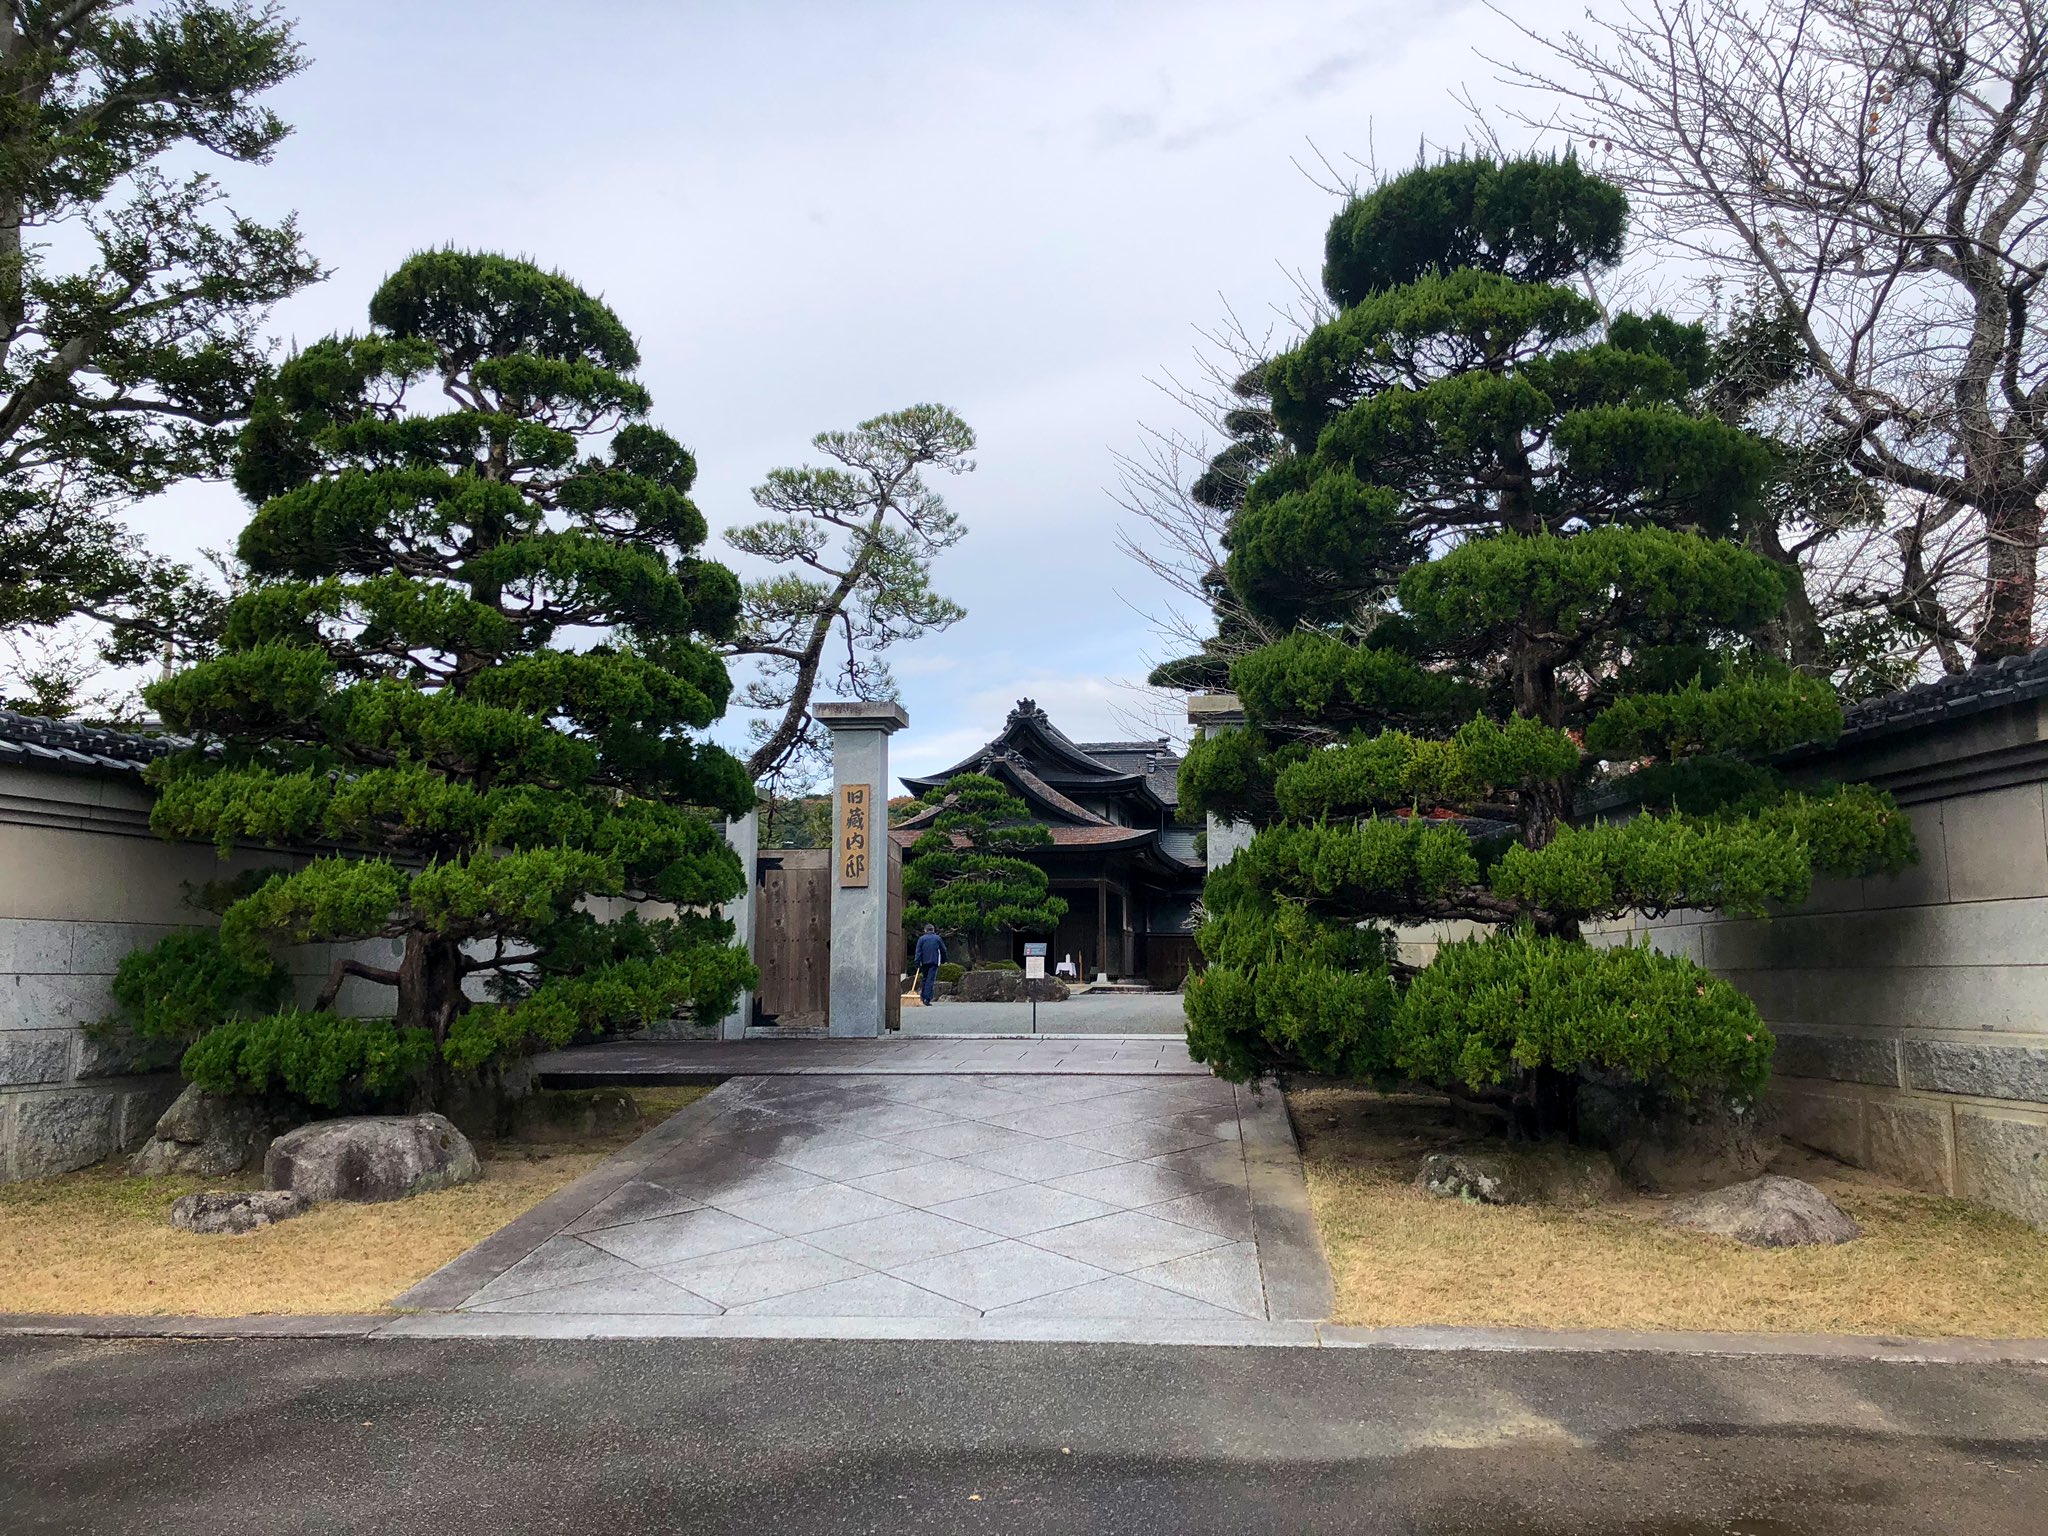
x: 476, y: 649
x: 1487, y: 1010
x: 1329, y: 1020
x: 963, y: 874
x: 1502, y: 540
x: 1655, y: 863
x: 1388, y: 865
x: 1394, y: 770
x: 1756, y: 715
x: 1640, y: 586
x: 951, y: 970
x: 320, y: 1059
x: 1230, y: 774
x: 185, y: 983
x: 1535, y: 220
x: 1320, y: 676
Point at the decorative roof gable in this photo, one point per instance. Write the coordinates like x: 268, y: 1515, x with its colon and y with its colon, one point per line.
x: 1035, y: 749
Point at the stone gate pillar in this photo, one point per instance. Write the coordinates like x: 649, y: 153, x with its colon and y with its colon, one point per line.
x: 744, y: 835
x: 861, y: 964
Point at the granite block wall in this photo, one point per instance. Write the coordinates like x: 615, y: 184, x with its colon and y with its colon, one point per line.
x: 1911, y: 1011
x: 82, y: 883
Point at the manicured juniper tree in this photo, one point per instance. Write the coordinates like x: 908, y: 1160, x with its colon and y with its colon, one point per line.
x: 476, y: 647
x: 963, y: 874
x: 1505, y: 539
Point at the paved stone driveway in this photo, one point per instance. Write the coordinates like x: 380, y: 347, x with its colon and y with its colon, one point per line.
x: 919, y: 1194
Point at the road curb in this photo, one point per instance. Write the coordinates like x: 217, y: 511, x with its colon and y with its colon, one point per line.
x: 425, y: 1326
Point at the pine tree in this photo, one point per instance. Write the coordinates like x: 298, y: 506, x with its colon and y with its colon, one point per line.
x: 1504, y: 536
x: 131, y: 343
x: 964, y: 874
x: 472, y: 659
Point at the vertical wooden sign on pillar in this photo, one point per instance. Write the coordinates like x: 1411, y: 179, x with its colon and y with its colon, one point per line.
x: 856, y: 811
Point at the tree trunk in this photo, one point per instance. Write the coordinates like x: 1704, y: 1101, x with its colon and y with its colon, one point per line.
x: 2011, y: 574
x: 430, y: 984
x: 769, y: 755
x: 1543, y: 811
x: 1796, y: 634
x: 1547, y: 1105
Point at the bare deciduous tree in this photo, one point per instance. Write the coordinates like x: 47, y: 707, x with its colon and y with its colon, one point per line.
x: 1874, y: 167
x: 1180, y: 487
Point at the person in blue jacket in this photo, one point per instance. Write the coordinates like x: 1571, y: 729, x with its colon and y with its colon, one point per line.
x: 931, y: 954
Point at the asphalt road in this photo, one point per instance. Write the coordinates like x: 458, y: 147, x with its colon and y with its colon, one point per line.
x: 791, y: 1438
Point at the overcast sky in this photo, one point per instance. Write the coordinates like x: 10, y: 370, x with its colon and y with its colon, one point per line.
x: 812, y: 213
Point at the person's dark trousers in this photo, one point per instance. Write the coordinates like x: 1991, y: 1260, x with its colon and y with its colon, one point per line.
x: 927, y: 979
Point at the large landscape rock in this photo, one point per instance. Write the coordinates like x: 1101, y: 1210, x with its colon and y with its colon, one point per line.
x: 230, y: 1212
x: 372, y: 1157
x: 205, y: 1135
x: 1528, y: 1175
x: 1008, y: 987
x: 1770, y: 1212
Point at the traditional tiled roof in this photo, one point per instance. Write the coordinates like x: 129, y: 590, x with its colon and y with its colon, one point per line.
x: 1008, y: 766
x: 1147, y: 768
x: 31, y: 741
x: 1100, y: 837
x: 1155, y: 759
x: 1062, y: 837
x: 1122, y: 748
x: 1143, y: 844
x: 2015, y: 680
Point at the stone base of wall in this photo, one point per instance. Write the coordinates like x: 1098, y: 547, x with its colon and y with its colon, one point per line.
x: 72, y: 1085
x: 1994, y: 1154
x: 44, y: 1131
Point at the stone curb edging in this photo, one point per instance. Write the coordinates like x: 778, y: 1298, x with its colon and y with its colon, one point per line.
x: 1248, y: 1334
x: 1299, y: 1287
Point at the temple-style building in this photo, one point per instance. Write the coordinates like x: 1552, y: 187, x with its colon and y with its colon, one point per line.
x: 1124, y: 861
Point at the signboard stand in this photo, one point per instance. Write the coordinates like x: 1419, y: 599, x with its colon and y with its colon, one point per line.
x: 1034, y: 970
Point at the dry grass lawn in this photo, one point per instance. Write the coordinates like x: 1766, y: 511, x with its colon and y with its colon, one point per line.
x: 1925, y: 1267
x: 100, y: 1241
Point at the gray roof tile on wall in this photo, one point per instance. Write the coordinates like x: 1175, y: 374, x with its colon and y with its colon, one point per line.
x: 2015, y: 680
x: 31, y: 741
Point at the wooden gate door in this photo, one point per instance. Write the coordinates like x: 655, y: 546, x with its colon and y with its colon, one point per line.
x: 793, y: 937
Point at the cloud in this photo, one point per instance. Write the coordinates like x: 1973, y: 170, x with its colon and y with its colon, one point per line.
x: 1108, y: 130
x: 1024, y: 217
x: 1329, y: 74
